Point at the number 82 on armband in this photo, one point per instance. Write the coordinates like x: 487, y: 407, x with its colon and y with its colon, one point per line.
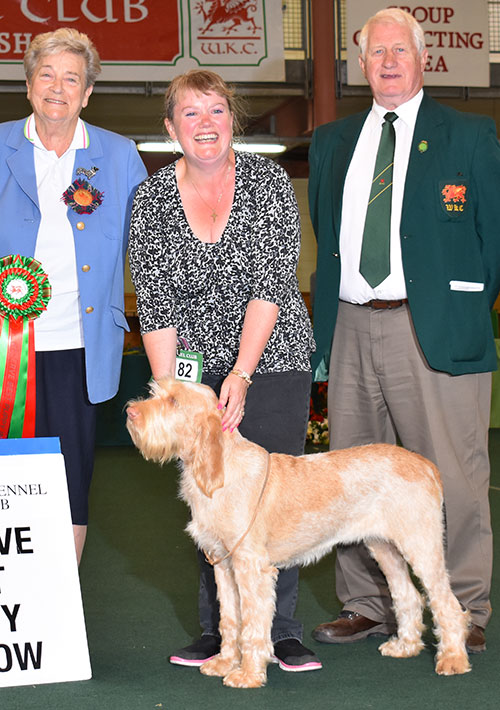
x: 188, y: 366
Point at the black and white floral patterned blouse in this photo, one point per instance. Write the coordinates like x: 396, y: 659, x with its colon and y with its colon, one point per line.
x: 203, y: 289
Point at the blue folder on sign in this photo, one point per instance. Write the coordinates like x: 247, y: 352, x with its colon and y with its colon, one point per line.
x: 39, y: 445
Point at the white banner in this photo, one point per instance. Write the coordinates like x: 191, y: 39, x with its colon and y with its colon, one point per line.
x: 154, y: 40
x: 42, y: 627
x: 456, y: 35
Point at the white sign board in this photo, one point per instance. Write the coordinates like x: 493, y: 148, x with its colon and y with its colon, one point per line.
x: 456, y: 36
x: 42, y: 627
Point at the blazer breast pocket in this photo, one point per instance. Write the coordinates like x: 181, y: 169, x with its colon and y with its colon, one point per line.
x: 453, y: 199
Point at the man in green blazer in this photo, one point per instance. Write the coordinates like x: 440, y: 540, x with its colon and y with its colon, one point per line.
x: 410, y: 356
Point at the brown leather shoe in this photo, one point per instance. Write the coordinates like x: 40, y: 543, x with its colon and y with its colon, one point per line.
x: 350, y: 627
x: 476, y: 640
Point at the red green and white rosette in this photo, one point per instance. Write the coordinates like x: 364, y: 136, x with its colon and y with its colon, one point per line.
x: 24, y: 294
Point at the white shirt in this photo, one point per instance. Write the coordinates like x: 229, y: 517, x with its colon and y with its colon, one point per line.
x: 353, y: 287
x: 60, y: 326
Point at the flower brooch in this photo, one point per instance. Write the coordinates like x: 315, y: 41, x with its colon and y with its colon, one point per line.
x: 81, y: 196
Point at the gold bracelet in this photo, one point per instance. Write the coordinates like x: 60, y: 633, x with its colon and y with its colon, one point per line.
x: 244, y: 376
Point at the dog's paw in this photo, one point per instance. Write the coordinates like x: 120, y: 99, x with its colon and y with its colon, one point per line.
x: 240, y: 678
x: 453, y: 664
x: 401, y: 648
x: 218, y: 666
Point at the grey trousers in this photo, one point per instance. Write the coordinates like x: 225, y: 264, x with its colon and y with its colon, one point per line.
x: 380, y: 390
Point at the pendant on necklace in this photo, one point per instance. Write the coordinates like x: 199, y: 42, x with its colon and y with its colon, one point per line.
x: 214, y: 214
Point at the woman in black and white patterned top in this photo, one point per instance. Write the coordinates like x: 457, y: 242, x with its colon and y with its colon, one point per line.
x: 214, y: 246
x: 202, y: 289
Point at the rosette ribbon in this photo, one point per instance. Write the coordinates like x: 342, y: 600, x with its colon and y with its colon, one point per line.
x: 24, y: 294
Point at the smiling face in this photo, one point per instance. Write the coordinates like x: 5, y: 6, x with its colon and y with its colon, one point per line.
x: 57, y: 90
x: 202, y: 124
x: 392, y: 64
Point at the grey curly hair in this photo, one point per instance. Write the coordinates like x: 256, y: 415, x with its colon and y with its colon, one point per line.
x: 64, y: 39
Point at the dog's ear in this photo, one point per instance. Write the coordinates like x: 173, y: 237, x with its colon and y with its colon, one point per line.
x: 207, y: 464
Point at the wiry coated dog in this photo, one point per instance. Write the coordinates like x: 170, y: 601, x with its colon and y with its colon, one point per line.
x: 253, y: 512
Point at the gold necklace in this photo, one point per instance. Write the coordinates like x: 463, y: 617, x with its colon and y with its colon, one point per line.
x: 214, y: 214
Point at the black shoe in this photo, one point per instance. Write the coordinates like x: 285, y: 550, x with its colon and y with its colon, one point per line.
x: 198, y: 652
x: 292, y: 656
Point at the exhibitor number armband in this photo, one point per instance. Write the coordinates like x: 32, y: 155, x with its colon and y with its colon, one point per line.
x: 188, y: 363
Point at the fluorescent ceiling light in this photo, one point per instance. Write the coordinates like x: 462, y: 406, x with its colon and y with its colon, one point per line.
x: 157, y: 147
x: 170, y: 147
x: 260, y: 147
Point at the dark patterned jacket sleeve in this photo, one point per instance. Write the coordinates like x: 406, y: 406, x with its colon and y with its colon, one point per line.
x: 275, y: 236
x: 148, y: 253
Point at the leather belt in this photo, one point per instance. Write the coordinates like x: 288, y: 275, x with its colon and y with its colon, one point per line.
x: 383, y: 304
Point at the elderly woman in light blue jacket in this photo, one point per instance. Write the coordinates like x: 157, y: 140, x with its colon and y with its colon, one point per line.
x: 65, y: 195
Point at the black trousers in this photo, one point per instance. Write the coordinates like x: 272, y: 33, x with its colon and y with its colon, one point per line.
x: 63, y: 409
x: 276, y: 416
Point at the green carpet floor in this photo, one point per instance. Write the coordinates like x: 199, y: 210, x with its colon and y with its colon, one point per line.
x: 139, y: 584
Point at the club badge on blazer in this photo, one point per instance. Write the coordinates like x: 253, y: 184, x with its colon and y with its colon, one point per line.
x: 453, y: 197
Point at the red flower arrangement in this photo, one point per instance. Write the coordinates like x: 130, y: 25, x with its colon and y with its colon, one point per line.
x: 317, y: 428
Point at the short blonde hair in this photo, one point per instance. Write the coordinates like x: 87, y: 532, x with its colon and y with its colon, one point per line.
x: 204, y: 81
x: 64, y: 39
x: 395, y: 16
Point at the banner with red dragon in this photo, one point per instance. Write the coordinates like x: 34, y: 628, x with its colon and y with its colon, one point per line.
x: 154, y: 40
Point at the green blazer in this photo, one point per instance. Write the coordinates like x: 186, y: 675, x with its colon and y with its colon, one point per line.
x: 450, y: 234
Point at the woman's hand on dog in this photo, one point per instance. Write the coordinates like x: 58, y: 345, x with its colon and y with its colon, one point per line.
x: 232, y: 397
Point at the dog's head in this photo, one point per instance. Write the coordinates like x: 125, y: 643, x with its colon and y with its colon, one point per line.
x: 180, y: 420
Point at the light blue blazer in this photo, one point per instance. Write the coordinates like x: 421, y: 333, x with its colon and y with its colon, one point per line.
x: 100, y: 238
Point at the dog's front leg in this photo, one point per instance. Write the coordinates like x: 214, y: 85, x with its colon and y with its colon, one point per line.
x: 227, y: 593
x: 255, y: 580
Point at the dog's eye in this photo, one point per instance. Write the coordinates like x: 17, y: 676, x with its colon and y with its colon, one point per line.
x: 172, y: 401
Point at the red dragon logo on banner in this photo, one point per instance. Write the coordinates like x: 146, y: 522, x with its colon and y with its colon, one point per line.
x: 220, y: 12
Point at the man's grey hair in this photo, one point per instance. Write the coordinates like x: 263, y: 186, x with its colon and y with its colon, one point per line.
x: 395, y: 16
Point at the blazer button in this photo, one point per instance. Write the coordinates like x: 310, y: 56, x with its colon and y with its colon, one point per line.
x: 335, y: 254
x: 89, y: 309
x: 85, y: 267
x: 80, y: 225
